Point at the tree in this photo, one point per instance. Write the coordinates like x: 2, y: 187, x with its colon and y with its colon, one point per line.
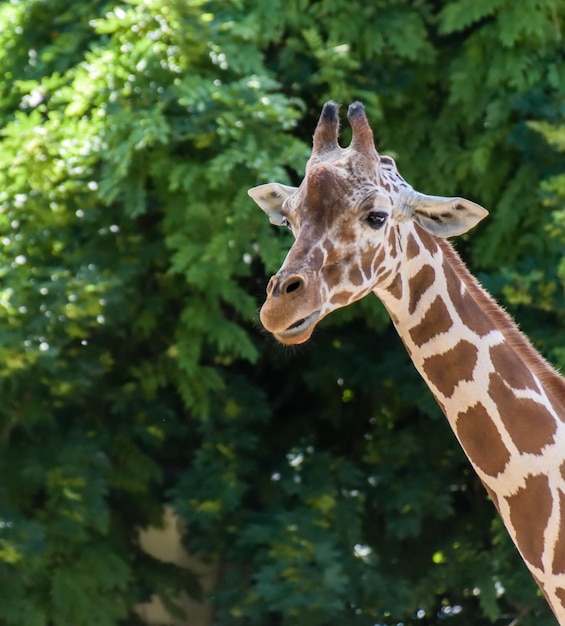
x: 133, y: 370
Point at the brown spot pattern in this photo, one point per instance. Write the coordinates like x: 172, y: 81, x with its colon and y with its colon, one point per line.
x: 446, y: 370
x: 481, y: 440
x: 509, y: 365
x: 471, y: 313
x: 355, y: 276
x: 367, y: 259
x: 316, y: 260
x: 412, y: 247
x: 330, y: 250
x: 384, y: 276
x: 395, y: 289
x: 419, y: 284
x: 530, y: 424
x: 563, y: 470
x: 378, y: 260
x: 332, y: 275
x: 436, y: 320
x: 342, y: 298
x: 559, y: 554
x: 560, y: 593
x: 530, y: 509
x: 347, y: 235
x: 493, y: 497
x: 428, y: 242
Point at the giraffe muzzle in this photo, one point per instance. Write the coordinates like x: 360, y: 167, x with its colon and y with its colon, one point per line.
x: 290, y: 314
x: 300, y: 331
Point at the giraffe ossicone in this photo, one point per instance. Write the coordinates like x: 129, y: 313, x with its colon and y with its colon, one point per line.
x: 359, y: 227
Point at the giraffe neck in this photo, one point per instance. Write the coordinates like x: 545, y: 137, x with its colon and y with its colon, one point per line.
x: 505, y: 404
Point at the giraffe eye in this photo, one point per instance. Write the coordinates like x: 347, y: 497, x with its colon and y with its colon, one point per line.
x: 376, y: 219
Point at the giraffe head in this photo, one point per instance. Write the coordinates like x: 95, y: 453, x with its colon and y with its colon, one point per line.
x: 345, y: 217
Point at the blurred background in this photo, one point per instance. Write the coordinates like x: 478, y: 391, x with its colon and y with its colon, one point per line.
x: 306, y: 487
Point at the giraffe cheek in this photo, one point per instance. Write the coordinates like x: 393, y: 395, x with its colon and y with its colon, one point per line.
x: 367, y: 262
x: 378, y: 261
x: 332, y: 276
x: 356, y: 277
x: 371, y: 262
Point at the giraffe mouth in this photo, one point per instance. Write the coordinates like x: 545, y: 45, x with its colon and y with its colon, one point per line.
x: 299, y: 331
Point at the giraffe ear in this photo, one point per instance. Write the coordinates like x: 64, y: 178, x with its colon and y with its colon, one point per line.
x: 270, y: 198
x: 443, y: 217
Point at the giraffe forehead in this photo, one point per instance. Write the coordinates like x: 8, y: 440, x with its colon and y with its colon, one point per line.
x: 325, y: 187
x: 333, y: 191
x: 329, y: 208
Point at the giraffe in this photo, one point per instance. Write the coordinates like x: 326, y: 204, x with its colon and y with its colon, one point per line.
x: 359, y: 227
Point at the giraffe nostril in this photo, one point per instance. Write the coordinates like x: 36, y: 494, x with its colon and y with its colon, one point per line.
x: 294, y: 286
x: 291, y: 285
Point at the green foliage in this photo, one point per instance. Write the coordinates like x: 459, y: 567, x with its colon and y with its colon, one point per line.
x: 132, y: 370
